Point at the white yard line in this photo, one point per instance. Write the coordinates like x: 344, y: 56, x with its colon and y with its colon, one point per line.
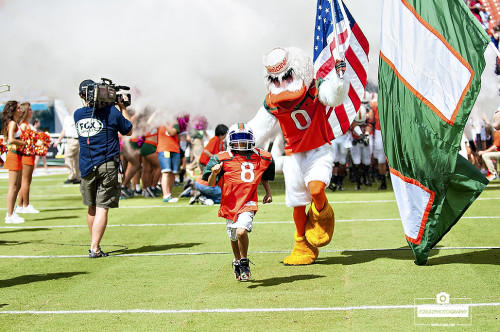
x: 253, y: 252
x: 222, y: 310
x: 196, y: 205
x: 218, y: 223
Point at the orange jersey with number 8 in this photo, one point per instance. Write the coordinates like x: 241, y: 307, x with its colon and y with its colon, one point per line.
x: 241, y: 175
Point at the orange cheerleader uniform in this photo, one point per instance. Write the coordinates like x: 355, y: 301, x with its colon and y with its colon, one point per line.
x: 28, y: 160
x: 13, y: 162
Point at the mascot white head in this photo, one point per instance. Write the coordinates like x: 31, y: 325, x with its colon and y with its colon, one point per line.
x: 289, y: 73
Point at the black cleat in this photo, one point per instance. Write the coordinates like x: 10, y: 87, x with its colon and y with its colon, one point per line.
x: 245, y: 273
x: 332, y: 187
x: 237, y: 273
x: 93, y: 254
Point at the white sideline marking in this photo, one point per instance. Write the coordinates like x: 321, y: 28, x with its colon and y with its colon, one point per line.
x: 253, y: 252
x: 217, y: 223
x: 187, y: 205
x: 199, y: 206
x: 236, y: 310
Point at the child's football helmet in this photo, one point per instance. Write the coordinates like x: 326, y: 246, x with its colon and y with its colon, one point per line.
x: 240, y: 137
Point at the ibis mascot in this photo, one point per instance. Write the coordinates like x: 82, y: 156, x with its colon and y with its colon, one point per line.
x: 301, y: 105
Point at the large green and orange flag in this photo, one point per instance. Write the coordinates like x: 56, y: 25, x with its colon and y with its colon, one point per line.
x: 431, y: 60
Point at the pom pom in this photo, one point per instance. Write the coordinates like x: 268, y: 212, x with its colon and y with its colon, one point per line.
x: 183, y: 121
x: 30, y: 137
x: 45, y: 139
x: 200, y: 122
x: 140, y: 140
x: 3, y: 146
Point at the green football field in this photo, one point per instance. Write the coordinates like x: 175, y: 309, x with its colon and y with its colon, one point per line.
x: 170, y: 268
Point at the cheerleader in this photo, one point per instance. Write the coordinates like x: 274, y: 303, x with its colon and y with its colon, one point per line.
x: 28, y: 161
x: 11, y: 116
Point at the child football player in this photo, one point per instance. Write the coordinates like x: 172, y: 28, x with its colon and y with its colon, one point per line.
x: 240, y: 170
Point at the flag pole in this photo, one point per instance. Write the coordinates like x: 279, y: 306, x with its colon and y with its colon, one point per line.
x: 495, y: 49
x: 335, y: 28
x: 341, y: 75
x: 349, y: 32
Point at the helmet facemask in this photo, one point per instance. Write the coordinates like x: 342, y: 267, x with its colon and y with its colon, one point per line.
x: 240, y: 138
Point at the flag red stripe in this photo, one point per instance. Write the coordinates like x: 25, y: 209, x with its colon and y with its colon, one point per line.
x: 363, y: 42
x: 342, y: 117
x: 326, y: 68
x: 356, y: 65
x: 342, y: 40
x: 354, y: 97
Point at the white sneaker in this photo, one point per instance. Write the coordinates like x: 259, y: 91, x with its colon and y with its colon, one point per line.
x: 170, y: 199
x: 13, y: 219
x: 208, y: 201
x: 30, y: 209
x: 19, y: 209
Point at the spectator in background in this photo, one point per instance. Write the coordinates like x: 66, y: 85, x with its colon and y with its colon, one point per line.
x: 36, y: 126
x: 169, y: 156
x: 71, y: 150
x: 196, y: 135
x: 182, y: 122
x: 183, y: 146
x: 11, y: 116
x: 494, y: 39
x: 214, y: 145
x: 151, y: 168
x: 490, y: 154
x: 496, y: 119
x: 204, y: 193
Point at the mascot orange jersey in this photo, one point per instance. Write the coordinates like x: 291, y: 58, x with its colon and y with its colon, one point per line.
x: 307, y: 118
x: 241, y: 175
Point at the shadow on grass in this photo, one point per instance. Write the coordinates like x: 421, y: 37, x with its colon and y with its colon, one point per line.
x: 56, y: 218
x: 3, y: 304
x: 155, y: 248
x: 25, y: 230
x: 65, y: 209
x: 12, y: 243
x: 282, y: 280
x: 28, y: 279
x: 490, y: 256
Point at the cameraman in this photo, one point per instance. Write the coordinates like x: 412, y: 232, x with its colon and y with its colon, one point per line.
x: 98, y: 130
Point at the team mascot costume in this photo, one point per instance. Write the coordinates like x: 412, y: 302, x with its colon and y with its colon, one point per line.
x: 300, y: 104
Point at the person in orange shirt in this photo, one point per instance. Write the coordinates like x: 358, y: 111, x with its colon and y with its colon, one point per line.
x: 169, y: 156
x: 240, y: 171
x: 214, y: 145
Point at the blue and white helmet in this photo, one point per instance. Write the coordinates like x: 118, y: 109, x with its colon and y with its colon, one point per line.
x: 240, y: 137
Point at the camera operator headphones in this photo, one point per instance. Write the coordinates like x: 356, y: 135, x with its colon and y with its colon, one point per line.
x: 83, y: 89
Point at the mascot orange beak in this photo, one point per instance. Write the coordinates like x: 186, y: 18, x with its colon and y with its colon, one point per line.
x: 288, y: 99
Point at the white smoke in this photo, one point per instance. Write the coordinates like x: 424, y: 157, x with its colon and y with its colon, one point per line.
x: 199, y: 57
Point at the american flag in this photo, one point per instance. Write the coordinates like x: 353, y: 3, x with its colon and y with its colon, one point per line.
x: 339, y: 36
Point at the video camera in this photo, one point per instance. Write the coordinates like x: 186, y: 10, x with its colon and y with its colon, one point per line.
x: 103, y: 94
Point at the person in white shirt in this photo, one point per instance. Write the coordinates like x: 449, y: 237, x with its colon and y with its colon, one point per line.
x: 71, y: 150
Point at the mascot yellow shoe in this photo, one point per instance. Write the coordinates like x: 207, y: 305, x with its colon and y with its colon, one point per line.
x: 303, y: 252
x: 320, y: 225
